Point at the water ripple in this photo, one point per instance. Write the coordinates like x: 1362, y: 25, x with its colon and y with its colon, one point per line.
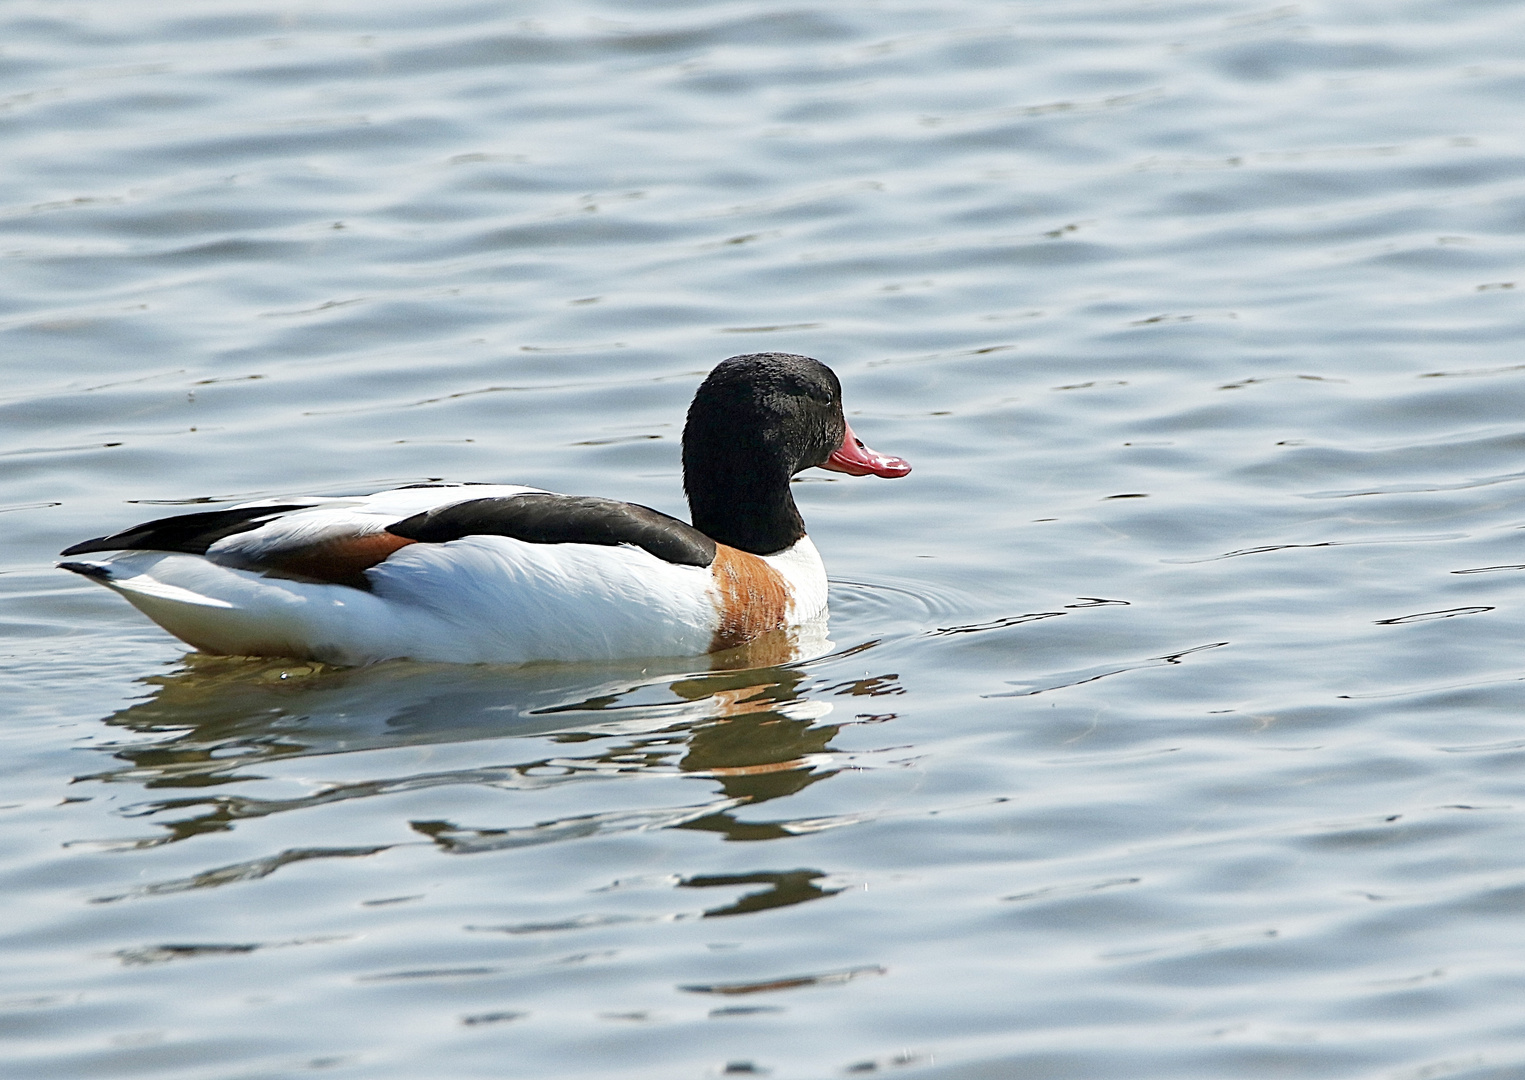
x: 1199, y: 323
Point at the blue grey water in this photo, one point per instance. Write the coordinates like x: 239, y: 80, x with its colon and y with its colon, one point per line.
x: 1175, y: 722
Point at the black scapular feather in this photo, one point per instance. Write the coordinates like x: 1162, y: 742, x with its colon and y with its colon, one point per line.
x: 563, y: 519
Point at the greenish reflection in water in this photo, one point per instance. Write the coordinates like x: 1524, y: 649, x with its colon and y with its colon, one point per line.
x: 757, y: 732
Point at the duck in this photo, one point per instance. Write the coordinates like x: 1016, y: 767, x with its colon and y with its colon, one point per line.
x: 507, y: 574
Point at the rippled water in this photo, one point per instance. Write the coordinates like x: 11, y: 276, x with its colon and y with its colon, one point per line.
x: 1173, y: 727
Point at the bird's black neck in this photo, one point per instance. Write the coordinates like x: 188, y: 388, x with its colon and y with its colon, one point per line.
x: 744, y: 505
x: 755, y: 421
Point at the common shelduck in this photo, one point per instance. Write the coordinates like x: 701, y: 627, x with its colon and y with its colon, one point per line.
x: 474, y: 573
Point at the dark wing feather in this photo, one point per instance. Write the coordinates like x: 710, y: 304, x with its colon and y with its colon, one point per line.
x: 191, y: 533
x: 563, y: 519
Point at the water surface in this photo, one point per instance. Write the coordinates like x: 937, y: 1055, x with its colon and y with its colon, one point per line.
x: 1172, y: 727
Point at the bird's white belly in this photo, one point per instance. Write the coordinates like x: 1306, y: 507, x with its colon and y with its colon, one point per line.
x: 479, y: 599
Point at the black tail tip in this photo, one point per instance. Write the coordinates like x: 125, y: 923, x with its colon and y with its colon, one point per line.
x: 93, y: 544
x: 87, y: 569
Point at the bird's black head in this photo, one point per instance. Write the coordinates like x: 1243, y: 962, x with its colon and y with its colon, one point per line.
x: 756, y: 421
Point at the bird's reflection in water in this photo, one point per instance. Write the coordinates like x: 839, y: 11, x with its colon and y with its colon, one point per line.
x: 751, y: 722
